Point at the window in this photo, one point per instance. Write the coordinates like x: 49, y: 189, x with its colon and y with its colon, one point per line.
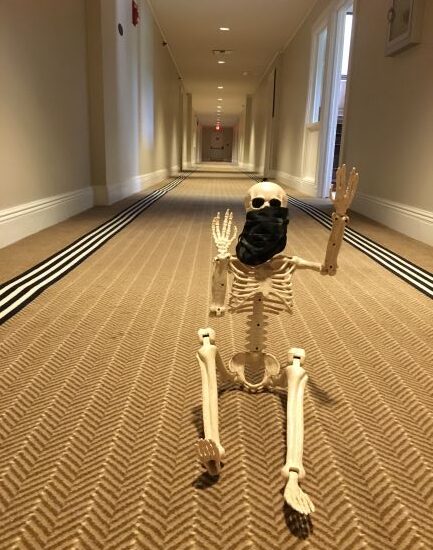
x: 320, y: 52
x: 346, y: 44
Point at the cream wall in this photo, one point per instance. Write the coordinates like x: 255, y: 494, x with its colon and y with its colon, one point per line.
x: 389, y: 133
x: 245, y: 160
x: 286, y: 156
x: 95, y: 80
x: 187, y: 118
x: 293, y: 147
x: 44, y: 127
x: 86, y: 115
x: 141, y: 103
x: 261, y: 113
x: 241, y: 138
x: 389, y: 121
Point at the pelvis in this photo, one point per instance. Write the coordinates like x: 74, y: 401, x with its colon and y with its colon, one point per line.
x: 274, y: 376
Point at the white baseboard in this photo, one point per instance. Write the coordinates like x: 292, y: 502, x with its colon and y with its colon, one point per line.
x: 307, y: 186
x: 25, y: 219
x: 248, y: 167
x: 409, y: 220
x: 108, y: 194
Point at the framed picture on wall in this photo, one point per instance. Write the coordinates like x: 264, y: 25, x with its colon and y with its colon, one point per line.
x: 404, y: 25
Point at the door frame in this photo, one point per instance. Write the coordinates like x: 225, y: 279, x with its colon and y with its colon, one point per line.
x: 334, y: 55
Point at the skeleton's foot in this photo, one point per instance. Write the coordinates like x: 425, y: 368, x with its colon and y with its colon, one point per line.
x: 210, y: 455
x: 295, y: 496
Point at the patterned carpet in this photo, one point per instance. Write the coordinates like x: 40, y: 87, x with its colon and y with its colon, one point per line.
x: 100, y: 400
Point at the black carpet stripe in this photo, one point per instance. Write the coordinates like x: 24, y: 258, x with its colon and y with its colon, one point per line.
x: 16, y: 293
x: 409, y: 272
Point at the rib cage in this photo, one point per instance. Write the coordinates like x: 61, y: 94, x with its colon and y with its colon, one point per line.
x: 273, y: 280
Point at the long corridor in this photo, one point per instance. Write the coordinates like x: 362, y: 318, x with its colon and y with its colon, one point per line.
x: 101, y: 394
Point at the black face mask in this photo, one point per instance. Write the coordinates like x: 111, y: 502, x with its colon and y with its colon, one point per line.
x: 264, y: 235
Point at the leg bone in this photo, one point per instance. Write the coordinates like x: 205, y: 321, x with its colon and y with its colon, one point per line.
x: 210, y: 451
x: 293, y: 470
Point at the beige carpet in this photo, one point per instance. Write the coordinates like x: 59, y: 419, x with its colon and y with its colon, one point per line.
x: 100, y: 400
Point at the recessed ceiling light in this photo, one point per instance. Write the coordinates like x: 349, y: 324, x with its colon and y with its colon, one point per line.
x: 220, y: 87
x: 221, y: 61
x: 224, y: 28
x: 220, y: 99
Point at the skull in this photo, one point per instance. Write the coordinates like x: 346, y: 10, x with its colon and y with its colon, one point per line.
x: 264, y: 194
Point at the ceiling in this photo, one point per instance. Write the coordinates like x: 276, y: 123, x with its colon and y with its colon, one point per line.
x: 258, y: 30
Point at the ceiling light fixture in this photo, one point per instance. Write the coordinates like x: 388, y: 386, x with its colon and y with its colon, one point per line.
x: 224, y: 28
x: 220, y: 87
x: 221, y: 61
x: 220, y: 99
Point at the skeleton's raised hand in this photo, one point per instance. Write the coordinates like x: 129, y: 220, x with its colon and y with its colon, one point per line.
x: 344, y: 191
x: 223, y: 237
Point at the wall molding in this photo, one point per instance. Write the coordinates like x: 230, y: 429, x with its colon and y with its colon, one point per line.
x: 307, y: 186
x: 25, y: 219
x: 108, y: 194
x: 409, y: 220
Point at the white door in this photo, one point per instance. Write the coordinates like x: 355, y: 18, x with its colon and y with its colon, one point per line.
x: 314, y: 118
x: 327, y: 97
x: 217, y: 146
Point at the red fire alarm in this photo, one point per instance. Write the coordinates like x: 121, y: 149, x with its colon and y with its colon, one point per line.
x: 135, y: 14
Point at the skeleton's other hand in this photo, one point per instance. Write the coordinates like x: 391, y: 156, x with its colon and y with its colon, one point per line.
x: 344, y: 191
x: 222, y: 236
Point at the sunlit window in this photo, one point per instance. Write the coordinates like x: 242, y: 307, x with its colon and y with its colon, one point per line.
x: 318, y: 77
x: 346, y: 43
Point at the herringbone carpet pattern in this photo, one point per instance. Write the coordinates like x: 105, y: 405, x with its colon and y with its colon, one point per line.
x: 101, y: 393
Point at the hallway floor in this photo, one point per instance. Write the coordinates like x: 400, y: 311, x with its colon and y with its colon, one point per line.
x: 100, y: 393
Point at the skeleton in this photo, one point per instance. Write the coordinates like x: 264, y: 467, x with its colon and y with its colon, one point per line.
x: 261, y: 291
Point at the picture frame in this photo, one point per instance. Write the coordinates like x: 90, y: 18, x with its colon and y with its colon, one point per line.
x: 404, y: 28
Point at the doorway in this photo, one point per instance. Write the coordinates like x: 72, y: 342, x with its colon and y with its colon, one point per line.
x: 329, y: 91
x: 216, y: 145
x: 337, y: 115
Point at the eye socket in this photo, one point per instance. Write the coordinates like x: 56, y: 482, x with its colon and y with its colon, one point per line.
x: 257, y: 202
x: 275, y: 202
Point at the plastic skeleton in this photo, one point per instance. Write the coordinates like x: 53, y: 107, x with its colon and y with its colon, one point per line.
x: 263, y: 290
